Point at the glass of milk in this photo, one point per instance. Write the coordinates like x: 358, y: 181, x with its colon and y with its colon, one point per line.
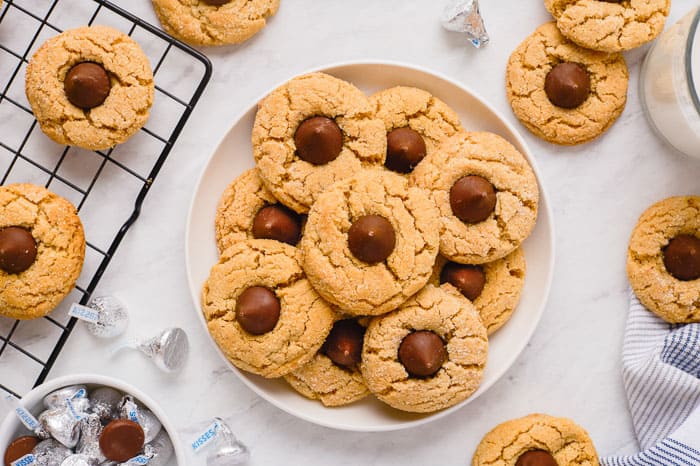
x: 670, y: 85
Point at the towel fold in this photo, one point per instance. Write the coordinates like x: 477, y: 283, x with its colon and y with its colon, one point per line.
x: 661, y: 376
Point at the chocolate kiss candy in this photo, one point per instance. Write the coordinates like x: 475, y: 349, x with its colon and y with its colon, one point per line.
x: 536, y: 458
x: 405, y: 148
x: 228, y: 450
x: 104, y: 402
x: 89, y: 443
x: 113, y: 317
x: 79, y: 460
x: 257, y: 310
x: 422, y: 353
x: 168, y: 351
x: 62, y: 425
x: 464, y: 16
x: 371, y: 238
x: 215, y: 3
x: 279, y: 223
x: 17, y: 249
x: 472, y: 199
x: 87, y: 85
x: 567, y: 85
x: 344, y: 343
x: 682, y: 257
x: 50, y: 453
x: 161, y: 448
x: 468, y: 279
x: 130, y: 409
x: 319, y: 140
x: 77, y: 394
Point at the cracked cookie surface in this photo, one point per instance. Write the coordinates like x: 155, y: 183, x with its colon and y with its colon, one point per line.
x: 305, y: 318
x: 198, y: 23
x: 402, y: 106
x: 566, y: 441
x: 527, y: 70
x: 295, y: 182
x: 505, y: 278
x: 357, y: 287
x: 454, y: 319
x: 517, y: 195
x: 323, y: 380
x: 609, y: 26
x: 239, y: 203
x: 673, y: 300
x: 58, y: 232
x: 130, y: 98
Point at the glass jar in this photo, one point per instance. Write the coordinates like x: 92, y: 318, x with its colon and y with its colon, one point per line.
x: 670, y: 83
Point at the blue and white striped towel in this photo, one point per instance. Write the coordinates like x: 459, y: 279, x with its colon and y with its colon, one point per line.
x: 661, y: 375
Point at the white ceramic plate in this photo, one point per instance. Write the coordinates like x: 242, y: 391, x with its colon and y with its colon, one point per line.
x: 234, y: 155
x: 11, y: 427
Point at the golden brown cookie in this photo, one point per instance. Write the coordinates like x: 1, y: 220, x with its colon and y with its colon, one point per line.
x: 494, y: 159
x: 609, y: 26
x: 215, y: 22
x: 536, y: 434
x: 402, y: 108
x: 128, y: 100
x: 361, y: 139
x: 360, y: 287
x: 304, y: 319
x: 58, y: 234
x: 248, y: 210
x: 676, y: 300
x: 527, y: 72
x: 454, y: 320
x: 333, y: 375
x: 502, y: 284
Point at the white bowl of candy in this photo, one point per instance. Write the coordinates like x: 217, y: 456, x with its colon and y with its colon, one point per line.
x: 88, y: 420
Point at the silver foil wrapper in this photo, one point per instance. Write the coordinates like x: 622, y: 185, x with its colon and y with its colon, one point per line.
x: 463, y: 16
x: 162, y: 449
x: 227, y: 449
x: 89, y: 443
x: 62, y: 425
x: 79, y: 460
x: 113, y: 317
x: 169, y: 350
x: 76, y: 393
x: 129, y: 409
x: 104, y: 402
x: 50, y: 453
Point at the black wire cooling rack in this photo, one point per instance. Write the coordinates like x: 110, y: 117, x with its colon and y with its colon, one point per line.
x: 119, y: 177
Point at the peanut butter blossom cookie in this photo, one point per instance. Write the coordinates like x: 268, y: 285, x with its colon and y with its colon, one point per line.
x: 214, y: 22
x: 564, y: 93
x: 333, y: 375
x: 370, y: 242
x: 311, y: 132
x: 42, y: 246
x: 663, y: 259
x: 494, y: 288
x: 609, y: 26
x: 90, y: 87
x: 427, y: 355
x: 416, y: 123
x: 248, y: 210
x: 536, y: 440
x: 262, y: 311
x: 486, y: 193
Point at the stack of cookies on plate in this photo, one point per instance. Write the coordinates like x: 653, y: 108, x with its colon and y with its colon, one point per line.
x: 373, y: 248
x: 567, y: 82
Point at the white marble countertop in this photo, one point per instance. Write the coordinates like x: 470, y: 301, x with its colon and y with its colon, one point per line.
x: 572, y: 365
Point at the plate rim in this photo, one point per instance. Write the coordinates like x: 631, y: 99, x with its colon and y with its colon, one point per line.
x: 329, y: 67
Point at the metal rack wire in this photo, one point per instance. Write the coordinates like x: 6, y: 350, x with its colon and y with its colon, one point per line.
x: 28, y: 349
